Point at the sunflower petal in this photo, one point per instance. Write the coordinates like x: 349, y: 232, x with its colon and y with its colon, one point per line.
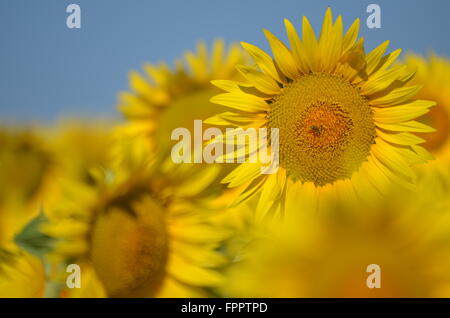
x: 397, y: 96
x: 397, y: 114
x: 296, y: 46
x: 283, y: 56
x: 404, y: 138
x: 412, y: 126
x: 264, y: 61
x: 351, y: 36
x: 388, y: 156
x: 244, y: 173
x: 310, y: 43
x: 262, y: 82
x: 241, y: 101
x: 374, y: 57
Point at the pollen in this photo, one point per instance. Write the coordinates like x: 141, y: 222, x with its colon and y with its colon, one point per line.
x: 326, y: 128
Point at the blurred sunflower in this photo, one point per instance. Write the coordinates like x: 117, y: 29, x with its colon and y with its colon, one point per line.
x: 167, y: 99
x: 345, y: 118
x: 81, y: 145
x: 139, y: 233
x: 27, y: 168
x: 327, y: 255
x: 27, y: 173
x: 434, y: 74
x: 34, y: 163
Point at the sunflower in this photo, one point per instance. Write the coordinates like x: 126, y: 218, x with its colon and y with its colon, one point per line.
x: 27, y: 168
x: 166, y: 99
x: 434, y: 74
x: 140, y: 232
x: 345, y: 118
x: 34, y: 164
x: 27, y: 171
x: 328, y: 255
x: 81, y: 144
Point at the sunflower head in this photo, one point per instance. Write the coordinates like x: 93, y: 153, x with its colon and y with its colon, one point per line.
x: 27, y: 170
x: 345, y: 118
x: 140, y: 232
x: 165, y: 99
x: 326, y: 128
x: 128, y: 242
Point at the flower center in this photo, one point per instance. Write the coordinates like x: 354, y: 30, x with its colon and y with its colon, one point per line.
x: 129, y: 248
x: 326, y: 128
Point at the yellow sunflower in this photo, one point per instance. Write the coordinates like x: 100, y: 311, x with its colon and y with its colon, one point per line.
x: 27, y: 172
x: 34, y: 163
x: 328, y: 255
x: 434, y: 74
x: 345, y: 118
x: 166, y: 99
x: 139, y: 233
x: 27, y: 168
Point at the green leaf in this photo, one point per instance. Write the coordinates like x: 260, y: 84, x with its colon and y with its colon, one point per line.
x: 32, y: 240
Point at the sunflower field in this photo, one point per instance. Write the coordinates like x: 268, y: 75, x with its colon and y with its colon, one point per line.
x: 356, y: 205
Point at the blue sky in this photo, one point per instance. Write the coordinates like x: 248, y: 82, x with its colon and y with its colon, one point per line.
x: 48, y: 71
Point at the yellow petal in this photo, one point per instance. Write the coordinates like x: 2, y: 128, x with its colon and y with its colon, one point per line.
x: 392, y: 175
x: 397, y: 114
x: 264, y: 61
x: 283, y: 56
x: 397, y: 96
x: 297, y: 47
x: 330, y: 43
x: 244, y: 173
x: 191, y: 274
x: 310, y: 43
x: 270, y: 193
x: 351, y: 36
x: 254, y: 187
x: 230, y: 86
x: 241, y: 101
x: 262, y: 82
x: 412, y: 126
x: 381, y: 80
x: 403, y: 138
x: 385, y: 153
x: 373, y: 58
x: 387, y: 60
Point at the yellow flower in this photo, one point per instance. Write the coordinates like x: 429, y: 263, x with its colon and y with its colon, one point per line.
x: 328, y: 254
x: 27, y: 168
x: 345, y: 118
x: 80, y: 145
x: 434, y: 74
x: 166, y: 99
x: 139, y: 233
x: 27, y: 172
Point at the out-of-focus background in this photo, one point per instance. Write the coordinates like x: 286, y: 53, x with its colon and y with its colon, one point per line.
x: 49, y: 71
